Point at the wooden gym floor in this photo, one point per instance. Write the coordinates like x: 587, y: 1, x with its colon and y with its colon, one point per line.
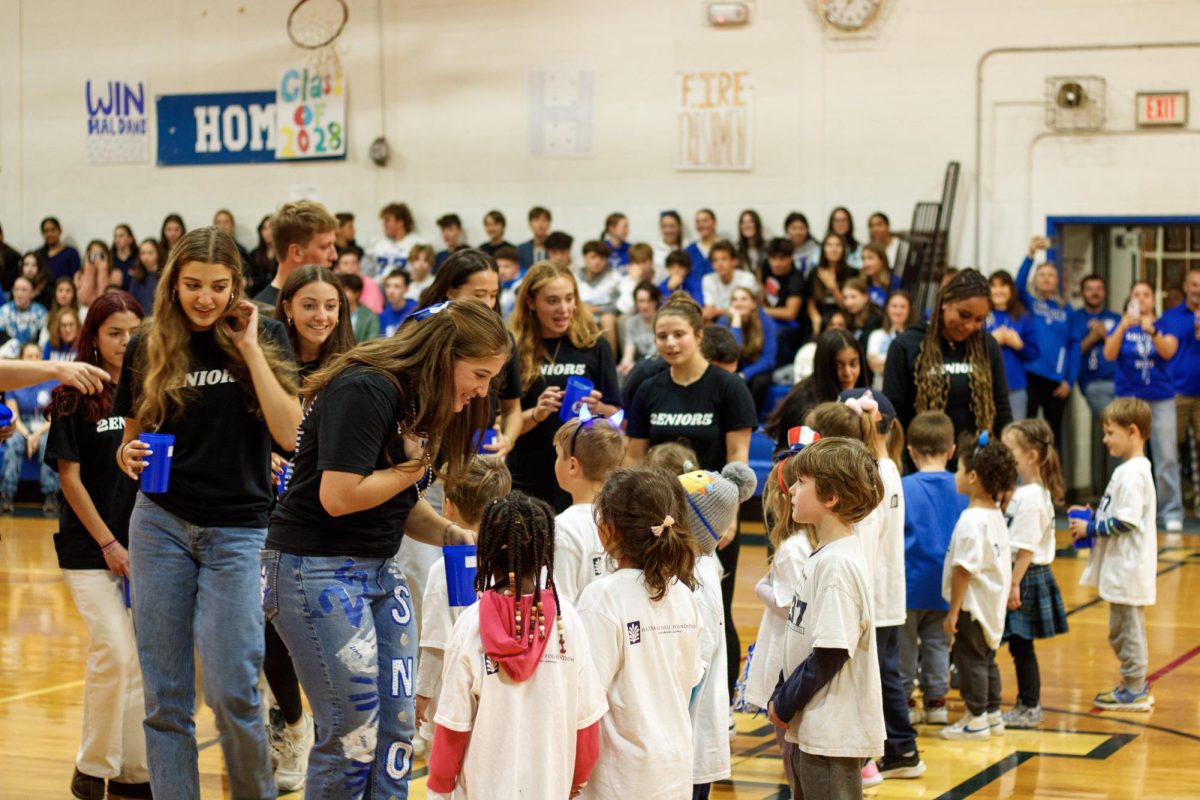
x: 1078, y: 753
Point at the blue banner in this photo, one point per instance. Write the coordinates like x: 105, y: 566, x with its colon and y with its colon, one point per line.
x: 225, y: 128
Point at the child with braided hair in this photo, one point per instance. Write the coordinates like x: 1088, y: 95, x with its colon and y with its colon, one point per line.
x: 518, y: 662
x: 643, y: 623
x: 951, y: 363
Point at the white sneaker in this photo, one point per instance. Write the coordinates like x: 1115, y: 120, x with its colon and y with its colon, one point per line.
x: 420, y: 744
x: 1174, y: 525
x: 937, y: 715
x: 968, y: 727
x: 296, y: 744
x: 996, y: 722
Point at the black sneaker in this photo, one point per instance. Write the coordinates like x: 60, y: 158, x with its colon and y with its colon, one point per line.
x: 85, y: 787
x: 908, y: 765
x: 130, y: 791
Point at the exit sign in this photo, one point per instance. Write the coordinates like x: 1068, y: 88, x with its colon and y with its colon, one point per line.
x: 1162, y: 108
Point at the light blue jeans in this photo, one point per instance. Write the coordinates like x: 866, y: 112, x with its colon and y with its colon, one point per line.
x: 1098, y: 395
x: 14, y: 459
x: 1164, y: 449
x: 349, y: 625
x: 196, y: 587
x: 1018, y: 400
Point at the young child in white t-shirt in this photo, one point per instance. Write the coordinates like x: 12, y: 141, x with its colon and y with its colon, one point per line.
x: 588, y: 452
x: 1035, y: 604
x: 643, y: 623
x: 519, y: 710
x: 793, y: 544
x: 1124, y: 554
x: 976, y: 579
x: 830, y: 699
x: 486, y: 481
x: 713, y: 500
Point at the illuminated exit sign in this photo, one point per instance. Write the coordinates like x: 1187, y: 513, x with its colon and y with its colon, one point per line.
x: 1162, y: 108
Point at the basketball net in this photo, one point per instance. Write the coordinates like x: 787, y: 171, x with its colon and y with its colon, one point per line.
x: 315, y: 25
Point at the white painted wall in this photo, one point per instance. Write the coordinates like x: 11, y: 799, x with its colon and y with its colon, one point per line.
x: 868, y: 123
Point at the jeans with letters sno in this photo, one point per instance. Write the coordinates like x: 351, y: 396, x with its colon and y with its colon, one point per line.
x: 197, y: 587
x: 349, y: 624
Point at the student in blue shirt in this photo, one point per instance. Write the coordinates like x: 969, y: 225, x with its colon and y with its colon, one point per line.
x: 534, y: 250
x: 1183, y: 322
x: 1093, y: 324
x: 616, y: 236
x: 681, y: 276
x: 756, y: 334
x: 1047, y: 375
x: 706, y: 237
x: 398, y: 306
x: 1013, y: 329
x: 1142, y: 350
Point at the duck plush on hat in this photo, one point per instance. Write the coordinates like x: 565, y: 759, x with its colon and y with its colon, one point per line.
x: 713, y: 499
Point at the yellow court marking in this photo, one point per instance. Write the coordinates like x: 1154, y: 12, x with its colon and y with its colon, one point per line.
x: 38, y: 692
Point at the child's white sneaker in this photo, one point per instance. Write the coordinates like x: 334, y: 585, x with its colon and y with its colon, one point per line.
x: 968, y: 727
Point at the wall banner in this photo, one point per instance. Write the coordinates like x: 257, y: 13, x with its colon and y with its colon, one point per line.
x: 117, y: 127
x: 224, y: 128
x: 714, y: 121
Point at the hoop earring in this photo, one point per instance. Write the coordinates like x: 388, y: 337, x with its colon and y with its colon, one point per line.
x: 174, y: 296
x: 290, y: 323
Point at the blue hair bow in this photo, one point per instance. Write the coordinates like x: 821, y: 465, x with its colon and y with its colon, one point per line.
x: 984, y: 438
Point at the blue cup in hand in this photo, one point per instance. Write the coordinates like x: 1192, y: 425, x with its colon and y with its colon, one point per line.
x: 156, y: 477
x: 6, y: 415
x: 484, y: 438
x: 460, y: 573
x: 1084, y: 515
x: 577, y: 390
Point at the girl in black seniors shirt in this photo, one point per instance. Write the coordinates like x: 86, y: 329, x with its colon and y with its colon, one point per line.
x: 374, y: 419
x: 313, y: 308
x: 91, y: 540
x: 707, y: 407
x: 557, y: 339
x: 206, y: 370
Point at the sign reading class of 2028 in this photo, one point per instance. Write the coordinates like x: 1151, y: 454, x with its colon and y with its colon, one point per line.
x: 304, y: 118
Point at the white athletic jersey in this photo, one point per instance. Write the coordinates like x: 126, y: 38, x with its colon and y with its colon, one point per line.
x: 979, y: 545
x: 719, y: 294
x: 1123, y: 566
x: 647, y: 656
x: 389, y: 254
x: 832, y: 609
x: 709, y: 706
x: 522, y: 733
x: 890, y: 597
x: 579, y: 558
x: 784, y: 576
x: 1030, y: 516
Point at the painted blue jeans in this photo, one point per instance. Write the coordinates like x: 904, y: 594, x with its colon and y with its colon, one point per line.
x: 349, y: 625
x: 197, y: 587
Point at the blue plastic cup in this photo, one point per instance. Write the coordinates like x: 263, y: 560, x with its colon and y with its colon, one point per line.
x: 460, y: 573
x: 483, y: 438
x: 6, y: 415
x: 156, y: 477
x: 285, y: 475
x: 128, y: 604
x: 1085, y: 514
x: 577, y: 389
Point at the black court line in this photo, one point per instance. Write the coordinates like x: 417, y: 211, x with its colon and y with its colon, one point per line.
x: 1173, y: 565
x: 1120, y: 721
x: 1112, y: 743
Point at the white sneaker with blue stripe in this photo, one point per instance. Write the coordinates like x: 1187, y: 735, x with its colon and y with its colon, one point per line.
x: 968, y: 727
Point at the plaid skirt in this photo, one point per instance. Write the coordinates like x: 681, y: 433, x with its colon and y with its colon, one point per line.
x: 1041, y: 614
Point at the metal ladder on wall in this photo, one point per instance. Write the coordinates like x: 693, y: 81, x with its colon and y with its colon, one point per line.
x: 929, y: 238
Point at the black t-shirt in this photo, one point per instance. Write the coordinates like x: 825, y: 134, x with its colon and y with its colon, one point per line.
x: 642, y: 371
x: 347, y: 428
x: 92, y: 445
x: 796, y: 406
x: 777, y: 290
x: 531, y: 461
x: 699, y: 414
x: 221, y: 467
x: 268, y: 296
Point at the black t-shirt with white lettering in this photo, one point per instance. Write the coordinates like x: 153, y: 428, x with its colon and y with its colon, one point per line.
x: 777, y: 290
x: 349, y: 427
x: 531, y: 461
x: 699, y: 414
x: 92, y: 445
x: 221, y: 467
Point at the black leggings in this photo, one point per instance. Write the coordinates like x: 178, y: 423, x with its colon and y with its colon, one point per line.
x: 733, y: 656
x: 1029, y: 678
x: 1041, y: 395
x: 281, y: 676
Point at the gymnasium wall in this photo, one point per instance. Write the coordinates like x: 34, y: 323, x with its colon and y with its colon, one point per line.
x: 869, y: 123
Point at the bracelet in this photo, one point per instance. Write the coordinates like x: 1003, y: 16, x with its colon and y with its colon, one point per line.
x: 121, y: 452
x: 105, y: 548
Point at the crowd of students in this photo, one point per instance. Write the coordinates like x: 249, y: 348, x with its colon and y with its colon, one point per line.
x: 351, y: 448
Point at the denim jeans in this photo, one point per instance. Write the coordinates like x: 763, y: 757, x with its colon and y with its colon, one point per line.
x: 925, y: 653
x: 349, y: 625
x: 1099, y: 394
x: 1164, y: 450
x: 1018, y: 400
x: 197, y: 587
x: 14, y: 458
x: 901, y: 736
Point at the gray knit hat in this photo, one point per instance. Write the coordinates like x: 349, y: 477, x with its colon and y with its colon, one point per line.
x: 713, y: 499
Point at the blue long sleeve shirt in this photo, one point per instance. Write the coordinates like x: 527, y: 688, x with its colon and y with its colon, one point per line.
x: 1083, y: 367
x: 766, y: 359
x: 1052, y: 330
x: 1015, y: 361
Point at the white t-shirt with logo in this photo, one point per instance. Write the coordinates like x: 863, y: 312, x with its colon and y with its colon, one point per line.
x: 832, y: 609
x: 709, y: 707
x: 784, y: 575
x: 437, y: 622
x: 1123, y: 566
x: 979, y: 545
x: 890, y: 596
x: 1030, y: 516
x: 719, y: 294
x: 647, y: 656
x: 389, y: 254
x: 579, y: 558
x: 522, y: 733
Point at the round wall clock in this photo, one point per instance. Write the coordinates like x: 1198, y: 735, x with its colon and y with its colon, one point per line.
x: 849, y: 16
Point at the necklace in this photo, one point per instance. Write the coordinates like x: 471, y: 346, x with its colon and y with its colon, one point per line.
x: 426, y: 480
x: 554, y: 358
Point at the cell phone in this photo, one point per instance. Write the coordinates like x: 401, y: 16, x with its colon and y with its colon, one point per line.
x: 1039, y: 256
x: 1134, y: 308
